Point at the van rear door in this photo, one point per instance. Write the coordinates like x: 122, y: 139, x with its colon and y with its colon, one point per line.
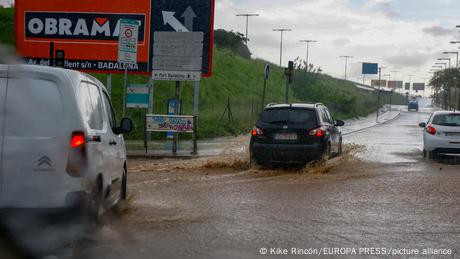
x: 35, y: 143
x: 2, y: 116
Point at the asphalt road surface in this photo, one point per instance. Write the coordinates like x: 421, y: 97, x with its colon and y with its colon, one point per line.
x: 380, y: 198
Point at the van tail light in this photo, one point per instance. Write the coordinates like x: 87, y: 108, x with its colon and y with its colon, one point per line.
x: 77, y: 140
x: 257, y: 132
x: 318, y: 132
x: 431, y: 130
x: 77, y: 159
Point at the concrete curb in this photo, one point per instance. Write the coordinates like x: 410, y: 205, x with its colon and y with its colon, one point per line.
x: 375, y: 125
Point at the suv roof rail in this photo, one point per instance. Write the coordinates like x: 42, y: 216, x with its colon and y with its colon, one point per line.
x: 271, y: 104
x: 318, y: 104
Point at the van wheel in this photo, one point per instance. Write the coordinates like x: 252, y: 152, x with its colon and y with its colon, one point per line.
x: 95, y: 202
x: 124, y: 183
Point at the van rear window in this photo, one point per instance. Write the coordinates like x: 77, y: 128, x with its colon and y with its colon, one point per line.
x: 34, y: 108
x: 290, y: 116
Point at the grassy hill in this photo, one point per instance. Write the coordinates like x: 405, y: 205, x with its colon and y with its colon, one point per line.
x: 239, y: 80
x: 7, y: 25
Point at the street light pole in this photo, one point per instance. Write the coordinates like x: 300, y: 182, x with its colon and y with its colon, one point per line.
x: 281, y: 43
x: 308, y: 47
x: 378, y: 94
x: 448, y: 59
x: 346, y: 64
x: 247, y: 15
x: 395, y: 78
x: 410, y: 81
x: 441, y: 63
x: 452, y: 52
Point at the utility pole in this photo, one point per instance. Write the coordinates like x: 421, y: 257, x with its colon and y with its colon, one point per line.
x: 378, y: 94
x: 281, y: 44
x: 247, y: 15
x: 308, y: 47
x: 346, y: 64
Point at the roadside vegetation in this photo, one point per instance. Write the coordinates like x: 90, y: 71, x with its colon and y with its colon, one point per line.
x: 231, y: 99
x: 446, y: 84
x: 7, y: 26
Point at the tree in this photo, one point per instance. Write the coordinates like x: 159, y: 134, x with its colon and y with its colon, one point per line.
x: 234, y: 41
x: 446, y: 85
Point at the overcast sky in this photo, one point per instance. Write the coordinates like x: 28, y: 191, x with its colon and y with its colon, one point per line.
x: 402, y: 35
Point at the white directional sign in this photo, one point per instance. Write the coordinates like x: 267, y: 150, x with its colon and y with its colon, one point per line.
x: 177, y: 56
x: 127, y: 41
x: 177, y: 75
x: 177, y: 63
x: 178, y: 49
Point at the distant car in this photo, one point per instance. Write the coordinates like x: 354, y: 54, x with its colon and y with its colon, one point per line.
x: 413, y: 105
x: 59, y: 143
x: 295, y: 133
x: 441, y: 134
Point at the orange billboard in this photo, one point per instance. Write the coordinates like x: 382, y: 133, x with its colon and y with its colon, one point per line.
x: 85, y: 30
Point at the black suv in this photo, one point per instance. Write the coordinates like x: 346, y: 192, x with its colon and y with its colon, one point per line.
x: 295, y: 133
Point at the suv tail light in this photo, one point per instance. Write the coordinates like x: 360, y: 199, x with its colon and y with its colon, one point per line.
x: 431, y: 130
x: 77, y: 161
x: 318, y: 132
x: 257, y: 132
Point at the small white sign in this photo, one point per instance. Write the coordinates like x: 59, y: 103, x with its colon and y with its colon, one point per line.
x: 176, y: 75
x: 127, y: 41
x: 171, y: 123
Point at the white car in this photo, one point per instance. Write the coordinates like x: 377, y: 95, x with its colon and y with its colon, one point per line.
x: 59, y: 143
x: 441, y: 134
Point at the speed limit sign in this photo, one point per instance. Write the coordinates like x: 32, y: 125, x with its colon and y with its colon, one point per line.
x: 127, y: 41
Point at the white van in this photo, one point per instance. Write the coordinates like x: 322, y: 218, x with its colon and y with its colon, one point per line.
x: 59, y: 143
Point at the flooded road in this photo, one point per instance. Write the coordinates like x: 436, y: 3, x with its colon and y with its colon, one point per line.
x: 380, y: 197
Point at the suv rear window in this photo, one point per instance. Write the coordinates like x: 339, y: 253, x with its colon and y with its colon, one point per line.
x: 290, y: 116
x: 447, y: 120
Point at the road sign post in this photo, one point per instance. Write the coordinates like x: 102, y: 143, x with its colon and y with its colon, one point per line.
x: 267, y: 75
x: 127, y: 49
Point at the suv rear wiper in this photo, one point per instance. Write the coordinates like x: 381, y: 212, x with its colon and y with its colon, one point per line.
x: 277, y: 122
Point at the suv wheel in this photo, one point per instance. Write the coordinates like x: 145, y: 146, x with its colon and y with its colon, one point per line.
x: 327, y: 153
x: 340, y: 148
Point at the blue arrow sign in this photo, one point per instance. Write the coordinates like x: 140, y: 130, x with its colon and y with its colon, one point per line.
x: 185, y: 16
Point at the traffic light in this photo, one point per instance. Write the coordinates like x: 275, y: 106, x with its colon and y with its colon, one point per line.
x: 60, y: 57
x: 289, y: 71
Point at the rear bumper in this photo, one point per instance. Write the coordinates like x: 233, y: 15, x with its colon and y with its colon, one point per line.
x: 441, y: 145
x: 286, y: 153
x: 446, y: 150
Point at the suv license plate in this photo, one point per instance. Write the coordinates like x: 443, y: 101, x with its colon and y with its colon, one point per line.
x: 286, y: 136
x: 452, y: 134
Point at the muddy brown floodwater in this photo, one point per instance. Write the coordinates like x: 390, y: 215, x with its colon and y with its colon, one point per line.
x: 381, y: 194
